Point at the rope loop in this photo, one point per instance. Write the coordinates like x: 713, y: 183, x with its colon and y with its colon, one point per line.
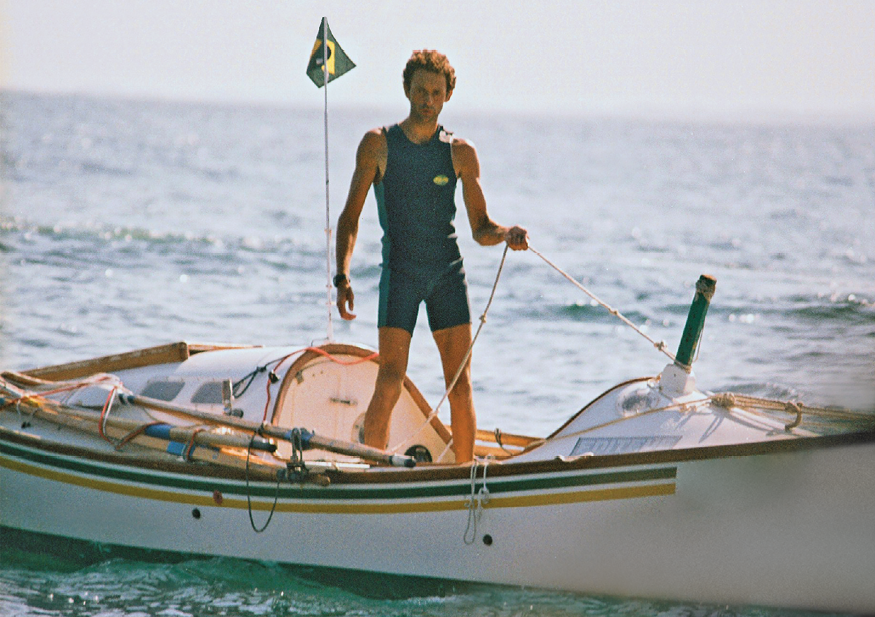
x: 104, y: 416
x: 189, y: 448
x: 793, y: 407
x: 276, y: 494
x: 475, y: 503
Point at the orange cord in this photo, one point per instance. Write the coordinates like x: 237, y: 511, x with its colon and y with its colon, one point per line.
x: 315, y: 350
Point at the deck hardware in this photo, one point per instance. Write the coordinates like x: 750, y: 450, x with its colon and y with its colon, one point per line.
x: 296, y: 469
x: 196, y: 513
x: 791, y: 407
x: 227, y: 396
x: 677, y: 377
x: 228, y: 399
x: 419, y: 453
x: 705, y: 287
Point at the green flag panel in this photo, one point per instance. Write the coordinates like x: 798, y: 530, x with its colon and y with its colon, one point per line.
x: 338, y: 62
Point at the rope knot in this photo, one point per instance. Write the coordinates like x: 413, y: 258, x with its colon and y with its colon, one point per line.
x: 725, y: 400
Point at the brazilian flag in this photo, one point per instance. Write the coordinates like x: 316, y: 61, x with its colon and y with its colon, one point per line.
x: 338, y: 62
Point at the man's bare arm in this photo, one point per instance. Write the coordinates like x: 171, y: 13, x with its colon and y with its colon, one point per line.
x: 484, y: 230
x: 367, y: 169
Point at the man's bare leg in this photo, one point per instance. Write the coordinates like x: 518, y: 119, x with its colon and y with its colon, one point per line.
x: 453, y: 344
x: 394, y: 352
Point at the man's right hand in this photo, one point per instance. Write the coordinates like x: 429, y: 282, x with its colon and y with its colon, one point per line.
x: 345, y: 298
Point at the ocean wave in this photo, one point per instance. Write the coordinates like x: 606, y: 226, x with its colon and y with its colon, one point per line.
x: 595, y: 313
x: 100, y: 234
x: 845, y: 307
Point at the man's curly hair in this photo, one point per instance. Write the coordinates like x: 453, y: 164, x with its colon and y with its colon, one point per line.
x: 433, y: 61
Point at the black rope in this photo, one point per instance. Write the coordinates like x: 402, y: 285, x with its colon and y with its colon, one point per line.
x: 249, y: 493
x: 250, y: 377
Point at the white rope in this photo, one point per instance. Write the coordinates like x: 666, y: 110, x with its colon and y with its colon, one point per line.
x: 659, y: 345
x: 107, y: 409
x: 475, y: 503
x: 765, y: 407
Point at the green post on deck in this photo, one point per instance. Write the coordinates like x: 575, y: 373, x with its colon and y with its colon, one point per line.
x: 705, y: 287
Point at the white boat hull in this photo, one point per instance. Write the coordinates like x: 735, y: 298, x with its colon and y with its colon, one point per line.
x: 784, y: 524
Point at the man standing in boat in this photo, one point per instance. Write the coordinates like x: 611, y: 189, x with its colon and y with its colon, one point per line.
x: 414, y: 167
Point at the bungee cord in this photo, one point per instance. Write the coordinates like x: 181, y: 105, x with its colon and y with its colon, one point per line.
x: 276, y: 494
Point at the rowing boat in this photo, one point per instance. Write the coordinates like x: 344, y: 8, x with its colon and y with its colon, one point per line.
x: 656, y: 488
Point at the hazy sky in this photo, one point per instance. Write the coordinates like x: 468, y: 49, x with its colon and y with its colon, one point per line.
x: 705, y: 57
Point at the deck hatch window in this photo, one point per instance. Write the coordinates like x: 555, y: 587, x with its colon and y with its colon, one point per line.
x: 210, y: 393
x: 162, y: 390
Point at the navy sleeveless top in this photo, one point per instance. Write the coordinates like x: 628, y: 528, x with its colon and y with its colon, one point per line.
x: 416, y: 202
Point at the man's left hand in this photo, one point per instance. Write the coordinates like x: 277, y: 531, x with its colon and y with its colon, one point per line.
x: 517, y: 238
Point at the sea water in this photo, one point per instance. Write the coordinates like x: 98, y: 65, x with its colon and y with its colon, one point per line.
x: 128, y: 224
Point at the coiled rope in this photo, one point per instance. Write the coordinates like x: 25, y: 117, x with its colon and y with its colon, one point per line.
x: 475, y: 503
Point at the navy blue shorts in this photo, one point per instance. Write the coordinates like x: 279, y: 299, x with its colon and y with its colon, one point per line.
x: 445, y: 294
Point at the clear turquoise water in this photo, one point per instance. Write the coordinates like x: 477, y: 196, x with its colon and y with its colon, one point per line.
x: 89, y: 581
x: 128, y: 224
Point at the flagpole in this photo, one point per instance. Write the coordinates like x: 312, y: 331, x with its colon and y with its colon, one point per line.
x: 340, y: 64
x: 327, y: 215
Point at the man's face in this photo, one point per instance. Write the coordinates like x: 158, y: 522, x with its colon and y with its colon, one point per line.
x: 427, y: 94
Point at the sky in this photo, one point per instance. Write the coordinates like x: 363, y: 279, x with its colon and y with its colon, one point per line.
x: 710, y: 58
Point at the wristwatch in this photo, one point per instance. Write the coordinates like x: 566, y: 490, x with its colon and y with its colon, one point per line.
x: 340, y: 278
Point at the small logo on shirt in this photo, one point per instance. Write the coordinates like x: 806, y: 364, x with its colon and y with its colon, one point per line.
x: 441, y: 180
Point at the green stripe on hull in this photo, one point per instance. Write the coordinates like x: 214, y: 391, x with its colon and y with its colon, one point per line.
x: 423, y: 490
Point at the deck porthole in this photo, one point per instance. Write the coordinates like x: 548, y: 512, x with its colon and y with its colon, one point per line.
x: 196, y: 513
x: 419, y: 453
x: 487, y: 540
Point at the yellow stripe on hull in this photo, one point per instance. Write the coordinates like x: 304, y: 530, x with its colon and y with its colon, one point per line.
x: 519, y: 501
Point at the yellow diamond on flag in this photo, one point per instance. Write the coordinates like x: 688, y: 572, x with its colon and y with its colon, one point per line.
x: 318, y: 58
x: 338, y: 62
